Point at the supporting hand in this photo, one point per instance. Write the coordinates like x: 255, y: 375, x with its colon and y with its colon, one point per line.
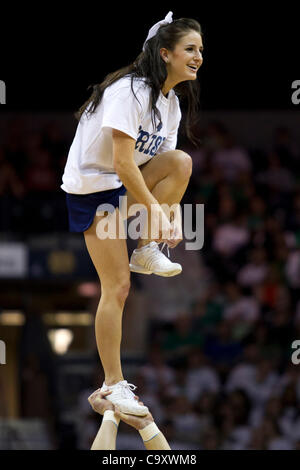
x: 99, y: 403
x: 137, y: 422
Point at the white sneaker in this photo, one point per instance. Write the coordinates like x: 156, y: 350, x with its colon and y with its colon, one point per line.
x: 123, y: 396
x: 150, y: 260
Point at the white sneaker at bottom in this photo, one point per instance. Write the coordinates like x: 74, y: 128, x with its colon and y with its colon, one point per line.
x: 150, y: 260
x: 123, y: 396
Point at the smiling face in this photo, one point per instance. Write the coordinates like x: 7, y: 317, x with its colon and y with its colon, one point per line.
x: 184, y: 61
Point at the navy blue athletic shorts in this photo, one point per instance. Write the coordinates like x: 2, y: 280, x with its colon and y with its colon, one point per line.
x: 82, y: 207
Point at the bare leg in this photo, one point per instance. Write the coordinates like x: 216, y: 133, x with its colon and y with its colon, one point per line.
x: 110, y: 258
x: 167, y: 177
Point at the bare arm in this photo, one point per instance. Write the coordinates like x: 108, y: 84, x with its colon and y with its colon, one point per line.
x: 158, y: 442
x: 107, y: 434
x: 132, y: 178
x: 127, y: 169
x: 106, y: 437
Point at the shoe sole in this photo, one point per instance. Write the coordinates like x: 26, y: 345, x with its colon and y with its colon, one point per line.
x: 123, y: 410
x: 133, y: 414
x: 140, y: 270
x: 126, y: 412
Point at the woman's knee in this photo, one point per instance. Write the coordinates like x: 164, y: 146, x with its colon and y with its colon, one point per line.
x: 182, y: 164
x: 118, y: 290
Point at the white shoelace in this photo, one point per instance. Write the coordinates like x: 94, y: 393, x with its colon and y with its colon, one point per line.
x: 167, y: 249
x: 126, y: 390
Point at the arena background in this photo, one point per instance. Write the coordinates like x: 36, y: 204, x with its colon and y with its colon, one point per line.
x: 210, y: 350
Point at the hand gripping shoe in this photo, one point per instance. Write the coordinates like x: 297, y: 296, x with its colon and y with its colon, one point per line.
x: 123, y: 396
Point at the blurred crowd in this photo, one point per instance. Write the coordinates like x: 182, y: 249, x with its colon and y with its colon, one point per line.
x: 219, y: 373
x: 31, y: 167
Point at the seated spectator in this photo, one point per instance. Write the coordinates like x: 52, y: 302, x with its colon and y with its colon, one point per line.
x: 54, y: 141
x: 224, y: 420
x: 11, y: 193
x: 182, y: 338
x: 289, y: 386
x: 158, y: 375
x: 227, y: 209
x: 293, y: 215
x: 168, y: 429
x: 230, y: 237
x: 273, y: 437
x: 230, y: 242
x: 267, y: 436
x: 296, y: 325
x: 185, y: 420
x: 14, y: 143
x: 210, y: 440
x: 207, y: 311
x: 276, y: 176
x: 201, y: 377
x: 286, y: 148
x: 222, y: 349
x: 281, y: 330
x: 237, y: 430
x: 272, y: 409
x: 261, y: 337
x: 292, y: 268
x: 40, y: 175
x: 268, y: 292
x: 243, y: 373
x: 231, y: 159
x: 257, y: 212
x: 290, y: 376
x: 203, y: 180
x: 259, y: 381
x: 255, y: 271
x: 263, y: 384
x: 241, y: 311
x: 10, y: 183
x: 205, y: 406
x: 257, y: 439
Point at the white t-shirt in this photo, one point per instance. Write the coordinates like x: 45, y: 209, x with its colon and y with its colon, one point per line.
x: 89, y: 166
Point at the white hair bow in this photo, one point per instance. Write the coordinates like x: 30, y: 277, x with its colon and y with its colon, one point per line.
x: 152, y: 31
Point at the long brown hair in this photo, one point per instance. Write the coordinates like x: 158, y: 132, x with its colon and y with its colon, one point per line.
x: 150, y: 66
